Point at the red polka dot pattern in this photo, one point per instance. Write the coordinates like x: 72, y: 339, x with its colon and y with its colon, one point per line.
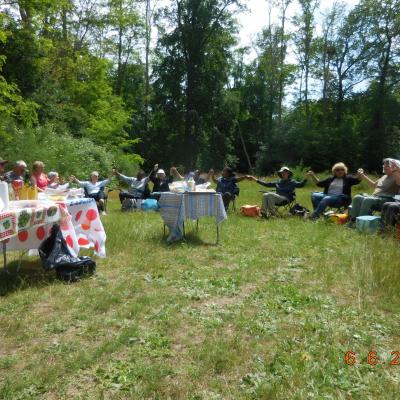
x: 91, y: 215
x: 40, y: 233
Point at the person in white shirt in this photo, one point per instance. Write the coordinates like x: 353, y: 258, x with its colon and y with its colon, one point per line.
x: 138, y: 186
x: 94, y: 188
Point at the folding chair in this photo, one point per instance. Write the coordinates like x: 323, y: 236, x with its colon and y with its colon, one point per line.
x: 285, y: 206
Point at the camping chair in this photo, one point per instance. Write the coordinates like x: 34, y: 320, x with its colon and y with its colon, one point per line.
x: 284, y: 207
x: 105, y: 198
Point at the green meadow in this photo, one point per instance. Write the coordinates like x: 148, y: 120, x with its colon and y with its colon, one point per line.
x: 268, y: 313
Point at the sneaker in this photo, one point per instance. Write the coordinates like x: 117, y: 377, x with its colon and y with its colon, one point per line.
x: 103, y: 213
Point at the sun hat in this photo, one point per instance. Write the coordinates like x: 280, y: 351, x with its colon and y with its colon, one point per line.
x: 160, y: 171
x: 2, y: 161
x: 285, y: 169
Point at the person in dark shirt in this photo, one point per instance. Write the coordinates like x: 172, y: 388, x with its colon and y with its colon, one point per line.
x: 17, y: 173
x: 285, y: 191
x: 337, y: 190
x: 227, y: 184
x: 160, y: 181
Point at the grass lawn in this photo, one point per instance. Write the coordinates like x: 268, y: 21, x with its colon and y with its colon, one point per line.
x: 269, y: 313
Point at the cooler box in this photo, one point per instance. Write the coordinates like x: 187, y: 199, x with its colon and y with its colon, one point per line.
x: 368, y: 224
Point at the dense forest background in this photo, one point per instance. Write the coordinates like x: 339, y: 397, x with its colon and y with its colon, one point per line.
x: 88, y: 83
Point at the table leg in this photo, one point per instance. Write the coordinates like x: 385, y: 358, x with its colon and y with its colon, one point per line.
x: 4, y: 255
x: 217, y: 233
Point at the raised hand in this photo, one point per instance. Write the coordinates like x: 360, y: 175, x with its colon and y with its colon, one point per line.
x: 310, y: 173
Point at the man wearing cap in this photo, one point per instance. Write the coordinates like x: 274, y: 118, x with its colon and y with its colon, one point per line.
x: 285, y: 191
x: 94, y: 188
x: 2, y: 168
x: 17, y: 172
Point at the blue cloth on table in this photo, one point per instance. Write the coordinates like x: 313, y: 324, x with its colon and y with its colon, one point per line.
x: 175, y: 208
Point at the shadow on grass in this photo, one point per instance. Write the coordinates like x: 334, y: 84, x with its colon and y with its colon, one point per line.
x: 29, y: 275
x: 191, y: 240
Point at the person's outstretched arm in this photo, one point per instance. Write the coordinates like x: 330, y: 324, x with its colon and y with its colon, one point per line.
x: 124, y: 178
x: 153, y: 173
x: 261, y: 182
x: 363, y: 176
x: 300, y: 184
x: 211, y: 175
x: 174, y: 172
x: 314, y: 177
x: 74, y: 179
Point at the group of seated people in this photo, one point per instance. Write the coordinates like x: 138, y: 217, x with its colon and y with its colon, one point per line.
x: 337, y: 192
x: 336, y: 189
x: 37, y: 178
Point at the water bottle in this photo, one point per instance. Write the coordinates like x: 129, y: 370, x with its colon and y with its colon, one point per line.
x: 191, y: 185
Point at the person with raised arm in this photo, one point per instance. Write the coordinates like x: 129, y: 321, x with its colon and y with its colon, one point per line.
x: 337, y: 190
x: 227, y: 184
x: 198, y: 180
x: 138, y: 186
x: 285, y: 191
x: 385, y: 188
x: 94, y: 188
x: 160, y: 181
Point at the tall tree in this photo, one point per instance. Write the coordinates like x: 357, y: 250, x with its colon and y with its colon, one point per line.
x: 304, y: 41
x: 194, y: 55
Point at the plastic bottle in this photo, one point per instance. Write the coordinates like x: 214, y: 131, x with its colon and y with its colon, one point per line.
x: 191, y: 185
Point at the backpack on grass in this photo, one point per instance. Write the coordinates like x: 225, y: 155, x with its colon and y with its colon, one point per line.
x: 299, y: 211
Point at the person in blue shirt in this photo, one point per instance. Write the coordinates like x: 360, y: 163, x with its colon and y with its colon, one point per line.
x: 227, y: 184
x: 285, y: 191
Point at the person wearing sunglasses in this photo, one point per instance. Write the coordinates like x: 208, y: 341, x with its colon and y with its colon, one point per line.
x: 337, y: 190
x: 385, y: 188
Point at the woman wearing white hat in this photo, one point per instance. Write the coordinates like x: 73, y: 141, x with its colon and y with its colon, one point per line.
x: 160, y: 180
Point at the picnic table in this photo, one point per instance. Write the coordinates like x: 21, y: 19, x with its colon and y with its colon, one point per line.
x: 175, y: 208
x: 26, y: 227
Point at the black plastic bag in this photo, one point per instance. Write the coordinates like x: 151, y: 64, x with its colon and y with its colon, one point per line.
x: 55, y: 254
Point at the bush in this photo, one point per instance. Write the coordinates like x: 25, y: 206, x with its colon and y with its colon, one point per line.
x: 63, y: 153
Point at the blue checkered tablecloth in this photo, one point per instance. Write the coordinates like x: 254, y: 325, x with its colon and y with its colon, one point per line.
x: 176, y: 207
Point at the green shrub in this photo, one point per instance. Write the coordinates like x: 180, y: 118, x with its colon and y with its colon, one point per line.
x: 63, y: 153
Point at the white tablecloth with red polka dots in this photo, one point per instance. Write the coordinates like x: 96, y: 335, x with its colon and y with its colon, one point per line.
x: 79, y: 221
x: 88, y: 230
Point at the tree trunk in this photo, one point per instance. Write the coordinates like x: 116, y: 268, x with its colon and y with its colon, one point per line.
x: 147, y: 67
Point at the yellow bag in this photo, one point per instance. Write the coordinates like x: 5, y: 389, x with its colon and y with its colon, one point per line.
x: 339, y: 219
